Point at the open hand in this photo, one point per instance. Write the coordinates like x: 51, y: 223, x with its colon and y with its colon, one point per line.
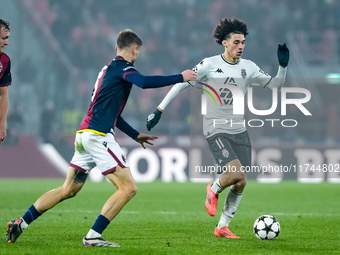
x: 143, y: 138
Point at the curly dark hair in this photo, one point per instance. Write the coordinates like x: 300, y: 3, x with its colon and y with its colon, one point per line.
x: 225, y: 27
x: 5, y: 24
x: 127, y: 37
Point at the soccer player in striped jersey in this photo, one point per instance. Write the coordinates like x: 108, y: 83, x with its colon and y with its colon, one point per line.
x: 95, y: 144
x: 5, y: 77
x: 229, y: 144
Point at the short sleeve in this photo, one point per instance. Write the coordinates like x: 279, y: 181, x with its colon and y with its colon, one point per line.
x: 5, y: 75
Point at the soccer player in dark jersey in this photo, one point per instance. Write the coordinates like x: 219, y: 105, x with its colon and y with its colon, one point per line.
x: 95, y: 144
x: 5, y: 77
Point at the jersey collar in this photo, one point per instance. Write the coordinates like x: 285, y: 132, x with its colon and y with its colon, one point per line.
x: 229, y: 62
x: 119, y: 58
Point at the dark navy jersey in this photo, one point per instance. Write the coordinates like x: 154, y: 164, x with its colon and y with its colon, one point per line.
x: 5, y: 70
x: 111, y: 92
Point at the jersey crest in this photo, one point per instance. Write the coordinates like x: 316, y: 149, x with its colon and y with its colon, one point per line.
x: 243, y: 73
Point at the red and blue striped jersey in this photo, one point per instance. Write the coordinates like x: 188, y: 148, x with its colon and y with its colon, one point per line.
x: 111, y: 92
x: 5, y: 70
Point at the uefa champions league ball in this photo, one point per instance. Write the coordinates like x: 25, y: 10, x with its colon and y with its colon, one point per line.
x: 266, y: 227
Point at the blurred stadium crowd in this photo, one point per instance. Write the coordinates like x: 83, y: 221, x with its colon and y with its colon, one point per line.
x: 176, y: 35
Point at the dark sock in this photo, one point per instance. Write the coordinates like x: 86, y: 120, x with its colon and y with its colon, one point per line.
x: 100, y: 224
x: 31, y: 215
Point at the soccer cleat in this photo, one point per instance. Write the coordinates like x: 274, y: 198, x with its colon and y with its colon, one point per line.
x: 211, y: 201
x: 92, y: 242
x: 225, y: 232
x: 13, y: 230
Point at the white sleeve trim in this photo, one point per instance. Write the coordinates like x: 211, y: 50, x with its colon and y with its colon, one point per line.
x: 172, y: 94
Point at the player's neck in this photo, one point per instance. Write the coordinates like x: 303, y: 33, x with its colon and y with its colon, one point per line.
x: 126, y: 55
x: 229, y: 59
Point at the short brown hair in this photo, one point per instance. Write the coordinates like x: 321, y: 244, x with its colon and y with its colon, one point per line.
x: 225, y: 27
x: 126, y: 38
x: 5, y: 24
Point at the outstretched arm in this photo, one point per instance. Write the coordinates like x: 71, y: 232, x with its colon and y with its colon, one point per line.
x: 146, y: 82
x: 154, y: 117
x: 278, y: 80
x: 263, y: 79
x: 283, y: 57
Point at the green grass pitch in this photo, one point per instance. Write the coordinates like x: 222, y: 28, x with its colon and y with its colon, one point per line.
x: 170, y: 218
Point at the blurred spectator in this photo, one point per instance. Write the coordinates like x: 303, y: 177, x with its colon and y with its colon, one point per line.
x: 71, y: 119
x: 47, y: 123
x: 27, y: 72
x: 14, y: 125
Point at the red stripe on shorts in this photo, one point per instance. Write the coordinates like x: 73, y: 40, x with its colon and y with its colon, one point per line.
x: 109, y: 171
x: 78, y: 168
x: 115, y: 157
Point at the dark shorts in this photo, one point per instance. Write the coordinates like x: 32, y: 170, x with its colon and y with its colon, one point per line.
x: 226, y: 147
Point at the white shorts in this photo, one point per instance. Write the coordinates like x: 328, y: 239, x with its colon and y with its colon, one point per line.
x: 92, y: 150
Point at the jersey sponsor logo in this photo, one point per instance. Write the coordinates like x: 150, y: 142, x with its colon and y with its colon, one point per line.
x: 226, y: 96
x: 219, y: 70
x: 243, y: 73
x: 230, y: 80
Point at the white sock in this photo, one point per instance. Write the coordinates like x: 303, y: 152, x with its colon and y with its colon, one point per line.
x: 23, y: 225
x: 217, y: 187
x: 93, y: 234
x: 230, y: 206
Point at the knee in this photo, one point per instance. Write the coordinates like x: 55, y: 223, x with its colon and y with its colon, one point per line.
x: 240, y: 185
x: 130, y: 191
x: 69, y: 193
x: 240, y: 178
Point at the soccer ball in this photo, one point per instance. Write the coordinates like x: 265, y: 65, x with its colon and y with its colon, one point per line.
x: 266, y: 227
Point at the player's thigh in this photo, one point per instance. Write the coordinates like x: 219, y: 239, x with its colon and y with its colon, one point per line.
x: 243, y: 152
x: 122, y: 178
x: 74, y: 181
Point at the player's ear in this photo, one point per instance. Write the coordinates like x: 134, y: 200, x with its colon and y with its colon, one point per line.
x: 224, y: 43
x: 116, y: 48
x: 135, y: 49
